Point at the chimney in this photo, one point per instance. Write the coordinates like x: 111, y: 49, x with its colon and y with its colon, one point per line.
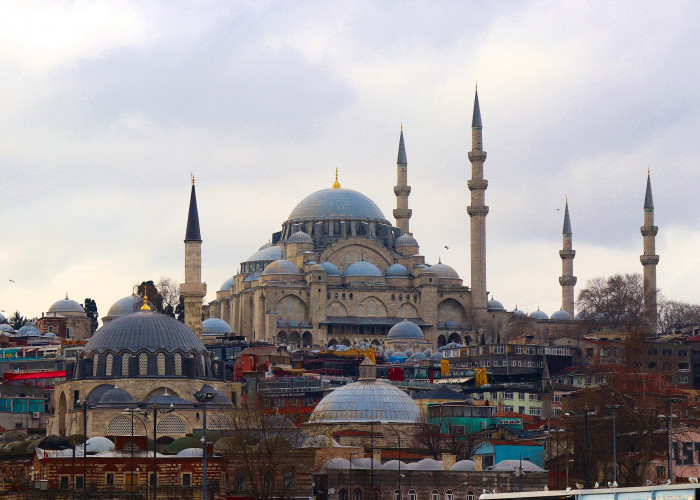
x: 478, y: 462
x: 448, y: 460
x: 377, y: 455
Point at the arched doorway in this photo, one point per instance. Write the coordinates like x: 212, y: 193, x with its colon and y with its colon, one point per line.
x: 295, y: 339
x: 441, y: 340
x: 455, y: 337
x: 307, y: 339
x: 282, y: 338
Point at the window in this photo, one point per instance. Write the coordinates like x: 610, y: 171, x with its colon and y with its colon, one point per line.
x: 660, y: 471
x: 289, y: 479
x: 240, y: 482
x: 267, y: 480
x: 557, y: 398
x: 186, y: 479
x: 412, y: 495
x: 508, y: 408
x: 397, y: 495
x: 161, y: 363
x: 499, y: 349
x: 357, y: 494
x: 153, y: 479
x: 682, y: 354
x: 682, y: 380
x: 125, y: 364
x: 535, y: 411
x: 513, y: 362
x: 518, y: 350
x: 108, y: 369
x: 79, y: 482
x: 343, y: 494
x: 470, y: 495
x: 109, y: 479
x: 65, y: 482
x: 534, y: 397
x: 143, y: 364
x: 94, y: 365
x: 521, y: 396
x: 521, y: 409
x: 652, y: 352
x: 449, y: 495
x: 507, y: 395
x: 435, y: 495
x: 178, y: 364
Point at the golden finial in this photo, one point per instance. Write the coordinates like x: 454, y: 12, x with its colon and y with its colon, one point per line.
x: 193, y: 179
x: 476, y: 85
x: 401, y: 126
x: 145, y: 307
x: 649, y: 169
x: 336, y: 184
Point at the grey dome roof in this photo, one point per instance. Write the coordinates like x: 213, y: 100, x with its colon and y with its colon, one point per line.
x: 366, y: 463
x: 419, y: 356
x: 28, y: 330
x: 405, y: 330
x: 190, y: 452
x: 219, y: 397
x: 539, y: 315
x: 428, y: 464
x: 366, y: 400
x: 97, y: 444
x: 337, y: 463
x: 215, y: 326
x: 436, y: 356
x: 494, y: 305
x: 337, y: 204
x: 144, y: 330
x: 517, y: 313
x: 511, y: 465
x: 561, y: 315
x: 267, y: 252
x: 281, y: 267
x: 226, y: 285
x: 406, y: 240
x: 394, y: 465
x: 397, y: 271
x: 331, y: 269
x: 444, y: 271
x: 362, y: 268
x: 115, y: 395
x: 66, y: 305
x: 167, y: 399
x: 300, y: 237
x: 124, y: 306
x: 464, y: 466
x: 5, y: 327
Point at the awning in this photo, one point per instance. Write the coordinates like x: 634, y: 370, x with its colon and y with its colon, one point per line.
x: 34, y: 375
x: 364, y: 321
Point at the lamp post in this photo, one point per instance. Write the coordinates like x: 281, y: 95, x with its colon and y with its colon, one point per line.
x: 350, y: 493
x: 131, y: 411
x: 613, y: 408
x: 203, y: 397
x: 558, y: 431
x: 586, y: 458
x: 670, y: 401
x: 398, y: 439
x: 156, y: 409
x: 83, y: 405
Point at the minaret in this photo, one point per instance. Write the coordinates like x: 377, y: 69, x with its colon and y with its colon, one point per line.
x: 402, y: 213
x: 649, y: 259
x: 477, y: 212
x: 567, y: 280
x: 193, y: 290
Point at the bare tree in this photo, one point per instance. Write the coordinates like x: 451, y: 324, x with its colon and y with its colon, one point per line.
x: 675, y: 315
x: 169, y: 290
x: 615, y: 302
x: 446, y: 435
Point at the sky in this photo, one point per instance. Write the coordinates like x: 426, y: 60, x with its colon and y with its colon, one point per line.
x: 108, y: 107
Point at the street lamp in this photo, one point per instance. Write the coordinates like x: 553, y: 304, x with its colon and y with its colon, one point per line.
x: 670, y: 401
x: 156, y: 409
x: 398, y: 439
x: 131, y: 411
x: 613, y: 408
x: 350, y: 493
x: 83, y: 405
x: 203, y: 397
x: 587, y: 457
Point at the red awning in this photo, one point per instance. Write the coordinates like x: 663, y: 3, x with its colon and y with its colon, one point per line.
x: 34, y: 375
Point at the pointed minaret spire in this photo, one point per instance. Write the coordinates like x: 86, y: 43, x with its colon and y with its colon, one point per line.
x: 193, y: 290
x: 477, y: 211
x: 402, y: 213
x: 567, y: 280
x: 649, y: 259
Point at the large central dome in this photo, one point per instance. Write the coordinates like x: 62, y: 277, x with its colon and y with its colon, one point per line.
x: 336, y: 204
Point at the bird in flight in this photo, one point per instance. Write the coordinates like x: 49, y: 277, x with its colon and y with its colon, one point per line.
x: 12, y: 281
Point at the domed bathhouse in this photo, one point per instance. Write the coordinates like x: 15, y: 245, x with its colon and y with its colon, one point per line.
x: 140, y: 360
x: 67, y: 319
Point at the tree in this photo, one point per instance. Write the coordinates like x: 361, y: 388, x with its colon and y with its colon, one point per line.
x: 154, y: 297
x: 445, y: 435
x: 616, y: 302
x: 180, y: 309
x: 90, y: 307
x: 17, y: 321
x: 169, y: 290
x: 675, y: 315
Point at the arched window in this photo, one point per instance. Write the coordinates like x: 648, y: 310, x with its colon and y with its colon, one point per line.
x: 449, y: 495
x: 241, y: 484
x: 178, y: 364
x: 357, y: 494
x: 108, y: 368
x: 343, y: 494
x: 171, y: 425
x: 397, y: 495
x: 161, y: 363
x: 470, y: 495
x: 412, y: 495
x: 94, y: 365
x: 143, y: 364
x: 435, y: 495
x: 125, y: 365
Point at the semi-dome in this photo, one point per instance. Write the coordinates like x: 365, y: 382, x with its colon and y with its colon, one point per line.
x: 215, y: 326
x: 300, y: 237
x: 331, y: 269
x: 362, y: 268
x: 406, y: 240
x: 444, y: 271
x: 281, y: 267
x: 144, y: 330
x: 267, y: 252
x: 336, y: 204
x: 364, y: 401
x: 397, y: 271
x: 405, y: 330
x: 115, y: 395
x: 124, y: 306
x: 226, y: 285
x: 494, y: 305
x: 561, y: 315
x: 539, y: 315
x: 66, y: 306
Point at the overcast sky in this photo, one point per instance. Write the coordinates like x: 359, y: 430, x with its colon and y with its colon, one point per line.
x: 107, y: 107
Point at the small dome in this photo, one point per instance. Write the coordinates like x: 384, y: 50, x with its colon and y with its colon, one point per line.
x: 517, y: 313
x: 394, y: 465
x: 428, y: 464
x: 561, y: 315
x: 99, y: 444
x: 190, y: 452
x: 167, y: 399
x: 539, y: 315
x: 267, y: 252
x: 51, y: 335
x: 5, y: 327
x: 226, y: 285
x: 281, y: 267
x: 66, y: 306
x: 337, y: 463
x: 115, y: 395
x: 406, y: 240
x: 512, y: 465
x: 28, y: 330
x: 444, y: 271
x: 331, y: 269
x: 300, y: 237
x: 436, y: 356
x: 397, y: 271
x: 124, y: 306
x: 494, y: 305
x: 366, y: 463
x: 464, y: 466
x: 219, y: 397
x: 215, y: 326
x: 405, y: 330
x: 362, y: 268
x: 419, y: 356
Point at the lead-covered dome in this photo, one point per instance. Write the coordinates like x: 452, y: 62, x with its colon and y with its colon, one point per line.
x: 144, y: 330
x: 539, y: 315
x: 116, y: 396
x: 300, y: 237
x: 267, y: 252
x: 364, y: 401
x: 331, y: 269
x: 226, y: 285
x: 215, y: 326
x: 124, y: 306
x: 397, y: 271
x: 66, y: 306
x: 444, y: 271
x: 362, y: 268
x: 494, y: 305
x: 406, y: 240
x: 336, y: 204
x: 281, y: 267
x: 405, y: 330
x: 561, y: 315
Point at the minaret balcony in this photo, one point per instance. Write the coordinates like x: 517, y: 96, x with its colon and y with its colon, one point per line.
x: 402, y: 190
x: 567, y: 280
x: 477, y: 184
x: 649, y: 260
x: 567, y: 254
x: 477, y: 211
x: 649, y: 230
x: 402, y: 213
x: 477, y: 156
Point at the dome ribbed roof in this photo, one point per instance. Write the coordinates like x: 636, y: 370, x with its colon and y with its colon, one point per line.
x: 281, y: 267
x: 405, y: 330
x: 561, y: 315
x: 226, y: 285
x: 539, y: 315
x: 444, y: 271
x: 115, y: 395
x: 331, y: 269
x: 397, y: 271
x: 215, y: 326
x: 517, y: 313
x: 337, y: 204
x: 5, y: 327
x: 366, y: 400
x: 362, y: 268
x: 167, y: 399
x: 267, y: 252
x: 66, y: 306
x: 406, y: 240
x: 144, y: 330
x: 300, y: 237
x: 494, y: 305
x: 124, y: 306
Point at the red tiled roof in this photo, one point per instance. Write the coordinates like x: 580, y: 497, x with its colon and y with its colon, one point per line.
x: 524, y: 442
x: 394, y: 455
